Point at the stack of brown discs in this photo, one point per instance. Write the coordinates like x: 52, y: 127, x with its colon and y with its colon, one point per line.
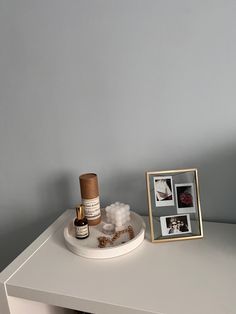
x: 90, y: 198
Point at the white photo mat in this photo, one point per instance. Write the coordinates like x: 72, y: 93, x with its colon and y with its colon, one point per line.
x: 185, y: 209
x: 161, y: 187
x: 165, y: 229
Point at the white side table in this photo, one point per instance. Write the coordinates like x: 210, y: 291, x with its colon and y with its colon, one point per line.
x: 183, y: 277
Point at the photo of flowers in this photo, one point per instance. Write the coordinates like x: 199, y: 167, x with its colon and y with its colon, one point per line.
x: 185, y: 198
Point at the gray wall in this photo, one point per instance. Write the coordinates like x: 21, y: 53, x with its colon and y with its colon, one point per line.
x: 117, y: 88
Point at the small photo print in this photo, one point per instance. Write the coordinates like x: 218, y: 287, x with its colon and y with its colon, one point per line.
x: 175, y: 225
x: 163, y: 190
x: 185, y: 198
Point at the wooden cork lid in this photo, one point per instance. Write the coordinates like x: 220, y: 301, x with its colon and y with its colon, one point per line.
x: 89, y: 185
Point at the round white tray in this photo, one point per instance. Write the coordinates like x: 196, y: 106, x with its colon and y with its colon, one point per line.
x: 89, y: 247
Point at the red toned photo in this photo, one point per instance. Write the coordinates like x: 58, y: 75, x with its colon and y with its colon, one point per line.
x: 185, y: 198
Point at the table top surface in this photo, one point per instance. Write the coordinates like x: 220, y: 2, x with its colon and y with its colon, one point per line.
x: 194, y: 276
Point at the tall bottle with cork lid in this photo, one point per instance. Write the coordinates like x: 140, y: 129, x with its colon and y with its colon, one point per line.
x: 90, y: 198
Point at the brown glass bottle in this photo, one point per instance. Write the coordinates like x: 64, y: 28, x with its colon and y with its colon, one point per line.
x: 81, y: 223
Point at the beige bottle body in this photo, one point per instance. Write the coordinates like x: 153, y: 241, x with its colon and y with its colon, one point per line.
x: 90, y: 198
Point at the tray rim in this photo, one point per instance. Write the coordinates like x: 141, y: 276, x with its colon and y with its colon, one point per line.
x: 78, y: 250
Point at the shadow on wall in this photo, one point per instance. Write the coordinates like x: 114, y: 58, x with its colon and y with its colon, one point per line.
x: 128, y: 188
x: 55, y: 196
x: 217, y: 172
x: 217, y: 185
x: 13, y: 242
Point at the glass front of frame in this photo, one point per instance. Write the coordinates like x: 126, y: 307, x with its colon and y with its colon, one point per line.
x: 174, y: 205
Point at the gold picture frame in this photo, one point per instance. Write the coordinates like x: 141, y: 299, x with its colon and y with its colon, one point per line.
x: 174, y: 205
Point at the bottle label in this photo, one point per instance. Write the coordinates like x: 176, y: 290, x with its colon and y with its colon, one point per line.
x: 92, y: 208
x: 81, y: 231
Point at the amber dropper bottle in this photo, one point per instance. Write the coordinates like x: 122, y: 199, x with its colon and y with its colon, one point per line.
x: 81, y: 223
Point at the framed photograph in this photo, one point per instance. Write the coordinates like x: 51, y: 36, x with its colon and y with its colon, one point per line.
x: 163, y: 189
x: 174, y: 205
x: 175, y: 225
x: 185, y: 198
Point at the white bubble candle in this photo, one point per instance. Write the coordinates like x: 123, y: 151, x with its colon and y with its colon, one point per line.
x: 118, y: 214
